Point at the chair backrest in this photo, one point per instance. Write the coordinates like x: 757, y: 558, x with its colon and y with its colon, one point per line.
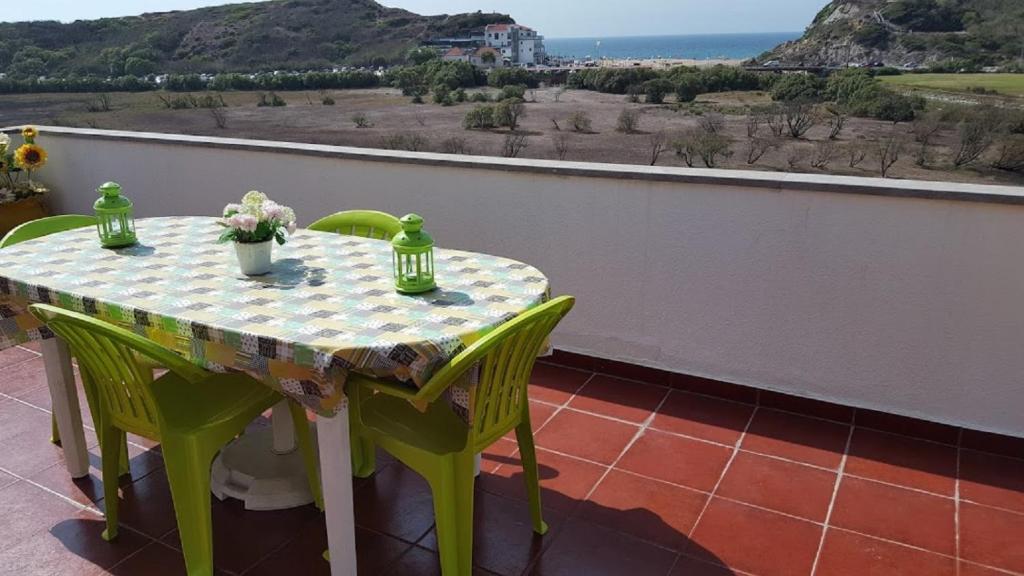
x: 107, y: 357
x: 505, y: 357
x: 45, y: 227
x: 364, y: 223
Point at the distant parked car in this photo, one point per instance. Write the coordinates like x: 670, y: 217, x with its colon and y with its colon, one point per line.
x: 772, y: 64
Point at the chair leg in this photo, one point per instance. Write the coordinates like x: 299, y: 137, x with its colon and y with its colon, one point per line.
x: 453, y: 513
x: 110, y: 447
x: 528, y: 456
x: 305, y: 443
x: 54, y: 431
x: 364, y: 452
x: 188, y: 472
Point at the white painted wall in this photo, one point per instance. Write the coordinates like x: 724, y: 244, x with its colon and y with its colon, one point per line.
x: 908, y: 305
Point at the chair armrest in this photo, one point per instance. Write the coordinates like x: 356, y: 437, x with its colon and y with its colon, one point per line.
x: 384, y: 386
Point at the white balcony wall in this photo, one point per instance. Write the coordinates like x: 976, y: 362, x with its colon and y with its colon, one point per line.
x: 902, y: 297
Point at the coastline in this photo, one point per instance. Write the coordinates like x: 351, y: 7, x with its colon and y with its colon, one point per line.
x: 668, y: 62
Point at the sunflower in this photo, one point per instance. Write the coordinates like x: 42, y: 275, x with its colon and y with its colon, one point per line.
x: 30, y: 157
x: 29, y: 133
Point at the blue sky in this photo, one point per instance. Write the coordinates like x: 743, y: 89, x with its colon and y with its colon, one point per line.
x: 553, y: 18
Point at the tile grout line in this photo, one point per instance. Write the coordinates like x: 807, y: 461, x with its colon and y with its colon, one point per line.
x: 636, y: 436
x: 558, y: 410
x: 832, y: 502
x: 732, y: 457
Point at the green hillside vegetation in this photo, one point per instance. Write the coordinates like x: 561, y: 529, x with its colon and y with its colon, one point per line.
x: 1004, y: 84
x: 944, y: 34
x: 259, y: 36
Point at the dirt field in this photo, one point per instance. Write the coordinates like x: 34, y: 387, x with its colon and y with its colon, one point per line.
x: 305, y: 119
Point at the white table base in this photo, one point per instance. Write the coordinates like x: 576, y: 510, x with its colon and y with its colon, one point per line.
x: 263, y: 468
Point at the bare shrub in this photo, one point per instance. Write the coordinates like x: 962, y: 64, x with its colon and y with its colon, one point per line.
x: 361, y: 120
x: 856, y: 152
x: 686, y: 147
x: 755, y: 119
x: 1009, y: 153
x: 454, y: 145
x: 554, y: 121
x: 220, y: 118
x: 561, y: 144
x: 326, y: 99
x: 836, y: 121
x: 420, y: 117
x: 558, y: 94
x: 100, y: 104
x: 580, y: 121
x: 795, y: 157
x: 401, y: 141
x: 712, y: 122
x: 776, y: 120
x: 924, y: 129
x: 973, y: 140
x: 265, y: 99
x: 514, y: 144
x: 824, y: 152
x: 629, y: 121
x: 800, y: 117
x: 888, y: 150
x: 758, y: 147
x: 657, y: 142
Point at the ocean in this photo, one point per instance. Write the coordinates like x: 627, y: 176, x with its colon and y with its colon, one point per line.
x: 696, y: 46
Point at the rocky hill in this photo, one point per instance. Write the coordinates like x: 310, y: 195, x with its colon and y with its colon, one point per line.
x: 953, y: 33
x: 275, y: 34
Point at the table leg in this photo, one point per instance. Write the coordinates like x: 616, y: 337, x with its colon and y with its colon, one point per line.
x: 336, y: 476
x: 284, y: 429
x: 61, y: 380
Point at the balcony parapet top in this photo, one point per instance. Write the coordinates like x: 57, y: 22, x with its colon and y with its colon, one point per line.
x: 954, y: 191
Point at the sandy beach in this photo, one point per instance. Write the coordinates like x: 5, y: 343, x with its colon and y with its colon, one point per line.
x: 668, y: 62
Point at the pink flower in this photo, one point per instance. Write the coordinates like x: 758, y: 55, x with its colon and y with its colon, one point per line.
x: 272, y: 210
x: 232, y: 209
x: 244, y: 222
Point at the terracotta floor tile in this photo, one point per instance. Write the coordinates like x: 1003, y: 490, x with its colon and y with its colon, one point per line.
x: 703, y: 417
x: 969, y: 569
x: 564, y: 481
x: 782, y: 486
x: 585, y: 548
x: 304, y: 553
x: 497, y: 454
x: 992, y: 537
x: 648, y: 509
x: 586, y: 436
x: 241, y: 537
x: 555, y: 384
x: 992, y: 480
x: 540, y: 413
x: 753, y: 540
x: 848, y: 554
x: 503, y: 538
x: 683, y: 461
x: 396, y: 501
x: 420, y: 562
x: 15, y: 355
x: 29, y: 376
x: 902, y: 460
x: 25, y: 446
x: 897, y: 514
x: 89, y: 490
x: 146, y: 505
x: 154, y: 560
x: 797, y: 438
x: 686, y: 566
x: 622, y: 399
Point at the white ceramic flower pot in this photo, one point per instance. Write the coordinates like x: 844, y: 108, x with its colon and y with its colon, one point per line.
x: 254, y: 258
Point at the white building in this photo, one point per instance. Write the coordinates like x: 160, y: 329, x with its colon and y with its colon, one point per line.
x: 517, y: 44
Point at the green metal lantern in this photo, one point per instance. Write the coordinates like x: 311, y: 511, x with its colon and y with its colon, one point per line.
x: 114, y: 220
x: 413, y: 257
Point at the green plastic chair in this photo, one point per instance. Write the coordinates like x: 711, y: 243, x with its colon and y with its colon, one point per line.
x: 193, y: 413
x: 364, y: 223
x: 438, y: 445
x: 38, y: 229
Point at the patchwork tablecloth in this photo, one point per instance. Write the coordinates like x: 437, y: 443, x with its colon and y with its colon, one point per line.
x: 327, y: 307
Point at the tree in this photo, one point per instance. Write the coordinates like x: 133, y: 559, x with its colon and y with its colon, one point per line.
x: 800, y: 117
x: 887, y: 150
x: 655, y: 90
x: 688, y: 87
x: 657, y: 142
x: 421, y: 55
x: 508, y: 112
x: 629, y: 121
x: 136, y: 66
x: 798, y: 87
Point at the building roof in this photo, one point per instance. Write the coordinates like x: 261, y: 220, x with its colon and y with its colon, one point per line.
x: 504, y: 27
x: 455, y: 51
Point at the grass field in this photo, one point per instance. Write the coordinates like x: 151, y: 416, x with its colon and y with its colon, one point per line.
x: 1005, y: 84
